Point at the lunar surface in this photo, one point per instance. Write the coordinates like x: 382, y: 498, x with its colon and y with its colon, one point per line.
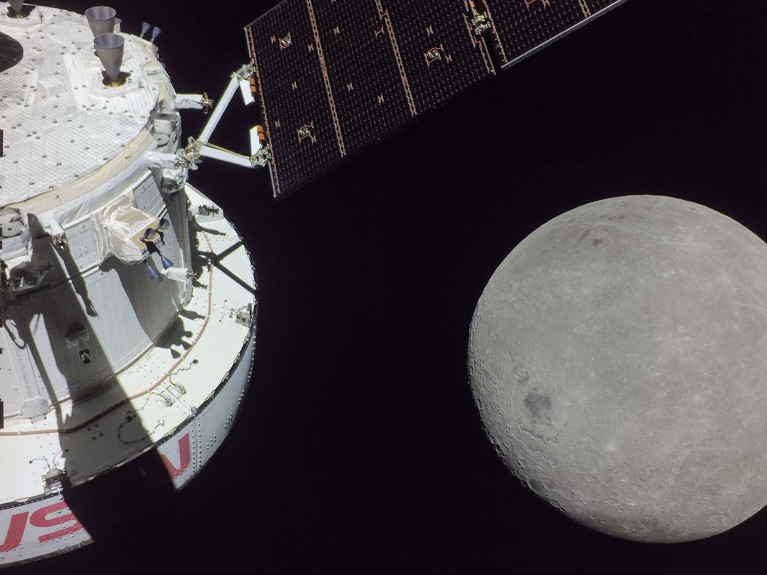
x: 618, y: 359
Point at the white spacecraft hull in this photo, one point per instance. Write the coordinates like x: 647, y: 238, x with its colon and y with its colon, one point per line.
x: 185, y: 429
x: 45, y: 526
x: 127, y: 299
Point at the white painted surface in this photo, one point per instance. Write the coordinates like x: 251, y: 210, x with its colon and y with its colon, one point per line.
x: 60, y: 122
x: 185, y: 406
x: 168, y: 358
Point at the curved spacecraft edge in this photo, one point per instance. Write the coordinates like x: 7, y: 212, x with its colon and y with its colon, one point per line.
x: 120, y: 333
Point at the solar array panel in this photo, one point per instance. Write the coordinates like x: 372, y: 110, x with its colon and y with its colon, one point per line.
x: 335, y: 76
x: 521, y: 27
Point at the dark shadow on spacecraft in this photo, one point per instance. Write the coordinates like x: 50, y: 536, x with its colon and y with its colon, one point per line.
x: 11, y: 52
x: 125, y: 505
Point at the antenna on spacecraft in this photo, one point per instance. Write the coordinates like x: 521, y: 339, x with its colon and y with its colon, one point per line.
x: 110, y: 48
x: 146, y: 27
x: 101, y: 19
x: 18, y: 8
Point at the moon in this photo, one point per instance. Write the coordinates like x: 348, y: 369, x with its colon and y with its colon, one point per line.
x: 618, y: 361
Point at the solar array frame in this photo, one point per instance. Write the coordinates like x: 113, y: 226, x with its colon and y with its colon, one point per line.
x: 335, y: 76
x: 522, y: 27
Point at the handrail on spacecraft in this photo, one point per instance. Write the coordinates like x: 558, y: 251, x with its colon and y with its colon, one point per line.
x: 201, y: 147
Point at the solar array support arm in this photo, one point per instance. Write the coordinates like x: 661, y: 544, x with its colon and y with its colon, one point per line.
x: 201, y: 147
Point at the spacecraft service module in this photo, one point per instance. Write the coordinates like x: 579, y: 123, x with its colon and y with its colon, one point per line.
x: 127, y: 299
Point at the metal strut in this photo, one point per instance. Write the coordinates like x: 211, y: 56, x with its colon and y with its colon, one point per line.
x: 201, y: 147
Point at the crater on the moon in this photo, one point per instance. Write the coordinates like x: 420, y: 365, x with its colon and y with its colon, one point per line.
x: 539, y: 405
x: 523, y: 376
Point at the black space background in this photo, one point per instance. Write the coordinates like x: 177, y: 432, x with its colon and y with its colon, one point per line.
x: 359, y: 449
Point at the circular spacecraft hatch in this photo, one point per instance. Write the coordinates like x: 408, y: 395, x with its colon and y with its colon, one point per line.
x: 11, y: 52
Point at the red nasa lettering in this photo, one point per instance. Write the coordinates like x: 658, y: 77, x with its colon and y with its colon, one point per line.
x: 15, y: 532
x: 40, y: 518
x: 185, y: 453
x: 51, y: 515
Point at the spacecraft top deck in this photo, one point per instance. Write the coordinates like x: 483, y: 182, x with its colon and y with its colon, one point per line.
x: 55, y: 91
